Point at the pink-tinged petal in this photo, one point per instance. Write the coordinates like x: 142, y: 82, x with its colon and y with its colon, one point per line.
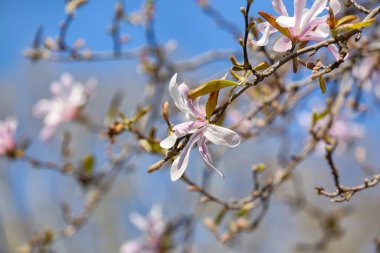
x: 205, y: 154
x: 265, y: 37
x: 279, y: 6
x: 41, y: 108
x: 335, y: 6
x: 221, y: 136
x: 311, y: 26
x: 180, y: 163
x: 334, y: 51
x: 187, y: 127
x: 286, y: 21
x: 67, y: 80
x: 168, y: 142
x: 135, y: 246
x: 186, y: 151
x: 282, y: 45
x: 317, y: 7
x: 139, y: 221
x: 175, y: 172
x: 299, y: 7
x: 365, y: 68
x: 56, y: 88
x: 47, y: 132
x: 175, y: 94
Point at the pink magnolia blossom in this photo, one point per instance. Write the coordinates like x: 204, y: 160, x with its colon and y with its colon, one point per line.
x: 7, y: 136
x: 153, y: 227
x: 367, y: 71
x: 343, y: 129
x: 200, y: 129
x: 305, y: 25
x: 69, y: 98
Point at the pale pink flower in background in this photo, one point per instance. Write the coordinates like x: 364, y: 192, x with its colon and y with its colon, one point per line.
x: 69, y: 99
x: 305, y: 25
x: 153, y: 227
x: 7, y: 136
x: 199, y: 128
x: 343, y: 129
x: 367, y: 72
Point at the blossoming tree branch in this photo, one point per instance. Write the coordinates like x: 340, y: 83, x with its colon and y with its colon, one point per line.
x: 304, y: 72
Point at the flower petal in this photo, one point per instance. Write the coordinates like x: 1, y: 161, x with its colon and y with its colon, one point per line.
x: 335, y: 6
x: 282, y: 45
x: 180, y: 163
x: 317, y: 7
x: 187, y: 127
x: 265, y: 38
x: 222, y: 136
x: 168, y: 142
x: 299, y: 7
x: 205, y: 154
x: 286, y: 21
x: 279, y: 6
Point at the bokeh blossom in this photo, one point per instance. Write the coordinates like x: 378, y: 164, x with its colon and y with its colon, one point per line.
x: 153, y: 227
x: 200, y: 129
x: 7, y: 136
x: 69, y: 99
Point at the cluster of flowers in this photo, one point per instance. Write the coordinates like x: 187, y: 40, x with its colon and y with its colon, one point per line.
x: 306, y: 25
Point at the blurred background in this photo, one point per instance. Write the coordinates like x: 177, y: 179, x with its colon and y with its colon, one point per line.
x: 30, y: 199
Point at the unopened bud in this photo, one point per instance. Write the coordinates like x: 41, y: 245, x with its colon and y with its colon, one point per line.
x: 119, y: 10
x: 156, y: 166
x: 242, y: 10
x: 234, y: 61
x: 193, y: 188
x: 210, y: 224
x: 165, y: 112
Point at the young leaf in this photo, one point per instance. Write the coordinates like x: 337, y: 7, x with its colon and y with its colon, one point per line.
x: 346, y: 19
x: 272, y: 20
x: 212, y: 101
x: 322, y: 84
x: 261, y: 66
x: 355, y: 26
x: 210, y: 86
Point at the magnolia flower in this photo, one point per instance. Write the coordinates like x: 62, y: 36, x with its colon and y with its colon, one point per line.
x: 343, y: 129
x: 153, y: 227
x: 305, y: 25
x: 69, y: 98
x: 7, y: 136
x: 200, y: 129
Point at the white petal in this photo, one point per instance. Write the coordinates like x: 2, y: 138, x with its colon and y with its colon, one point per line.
x: 279, y: 6
x: 285, y: 21
x: 168, y: 142
x: 205, y: 154
x: 335, y: 6
x: 180, y: 163
x: 265, y: 38
x: 222, y: 136
x: 282, y: 45
x: 139, y: 221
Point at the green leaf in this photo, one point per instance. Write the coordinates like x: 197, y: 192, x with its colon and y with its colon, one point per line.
x: 272, y: 20
x: 355, y: 26
x: 212, y: 101
x: 213, y: 85
x: 261, y: 66
x: 322, y: 84
x: 88, y: 162
x: 318, y: 116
